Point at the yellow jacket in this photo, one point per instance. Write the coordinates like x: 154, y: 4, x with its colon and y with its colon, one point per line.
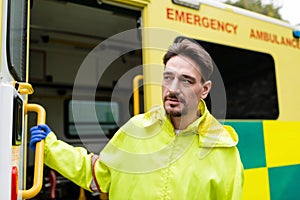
x: 146, y: 159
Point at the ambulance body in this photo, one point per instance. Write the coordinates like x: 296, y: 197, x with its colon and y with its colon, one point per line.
x: 105, y: 58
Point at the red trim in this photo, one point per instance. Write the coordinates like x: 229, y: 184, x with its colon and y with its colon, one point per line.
x: 93, y: 172
x: 14, y: 183
x: 52, y: 177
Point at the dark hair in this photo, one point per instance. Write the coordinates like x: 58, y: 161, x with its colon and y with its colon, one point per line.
x: 191, y: 49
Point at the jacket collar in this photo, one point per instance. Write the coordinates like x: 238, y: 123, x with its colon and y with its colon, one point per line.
x: 211, y: 133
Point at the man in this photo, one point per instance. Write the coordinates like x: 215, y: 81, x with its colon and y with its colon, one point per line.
x: 178, y: 151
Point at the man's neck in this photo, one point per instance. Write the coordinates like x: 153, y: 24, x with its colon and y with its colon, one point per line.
x: 181, y: 123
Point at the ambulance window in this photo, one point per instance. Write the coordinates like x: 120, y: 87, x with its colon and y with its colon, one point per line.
x: 249, y: 80
x: 86, y: 118
x: 16, y: 39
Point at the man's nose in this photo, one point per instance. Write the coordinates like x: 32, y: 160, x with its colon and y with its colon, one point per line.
x: 174, y: 86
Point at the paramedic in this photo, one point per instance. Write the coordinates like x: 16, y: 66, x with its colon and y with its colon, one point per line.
x: 175, y: 151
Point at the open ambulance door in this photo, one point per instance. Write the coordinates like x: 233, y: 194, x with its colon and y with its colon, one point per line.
x: 13, y: 104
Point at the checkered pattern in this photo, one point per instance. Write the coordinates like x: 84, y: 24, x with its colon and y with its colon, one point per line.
x: 270, y: 151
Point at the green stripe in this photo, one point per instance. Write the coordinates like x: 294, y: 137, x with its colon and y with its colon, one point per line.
x: 251, y: 143
x: 284, y: 182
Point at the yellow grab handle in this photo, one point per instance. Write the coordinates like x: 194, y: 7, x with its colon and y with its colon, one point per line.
x: 136, y: 96
x: 81, y: 194
x: 39, y: 154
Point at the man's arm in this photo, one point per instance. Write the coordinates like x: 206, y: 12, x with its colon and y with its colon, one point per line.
x: 74, y: 163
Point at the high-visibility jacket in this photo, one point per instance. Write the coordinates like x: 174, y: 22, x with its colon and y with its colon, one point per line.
x: 146, y: 159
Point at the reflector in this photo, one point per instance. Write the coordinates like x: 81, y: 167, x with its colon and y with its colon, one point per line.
x: 14, y: 183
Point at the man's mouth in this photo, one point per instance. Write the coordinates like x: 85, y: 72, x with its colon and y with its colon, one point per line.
x: 173, y: 101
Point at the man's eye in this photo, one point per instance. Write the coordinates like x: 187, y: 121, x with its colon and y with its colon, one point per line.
x: 187, y: 81
x: 167, y: 78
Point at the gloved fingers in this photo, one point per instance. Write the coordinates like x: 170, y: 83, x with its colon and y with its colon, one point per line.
x: 45, y: 127
x: 32, y: 145
x: 34, y: 128
x: 33, y: 142
x: 38, y: 132
x: 36, y: 137
x: 39, y: 136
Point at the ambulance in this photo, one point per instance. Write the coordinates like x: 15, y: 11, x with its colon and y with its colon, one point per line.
x: 85, y: 67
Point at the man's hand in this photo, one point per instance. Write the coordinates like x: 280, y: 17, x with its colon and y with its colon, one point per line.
x: 38, y: 133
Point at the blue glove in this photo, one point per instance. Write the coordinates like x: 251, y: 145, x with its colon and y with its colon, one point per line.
x: 38, y: 133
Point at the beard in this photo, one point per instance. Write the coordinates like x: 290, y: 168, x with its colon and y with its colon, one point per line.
x: 174, y: 113
x: 175, y: 110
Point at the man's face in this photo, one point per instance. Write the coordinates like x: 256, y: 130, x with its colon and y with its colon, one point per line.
x: 183, y: 87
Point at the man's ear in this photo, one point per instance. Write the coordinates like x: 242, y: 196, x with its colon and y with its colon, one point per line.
x: 206, y: 89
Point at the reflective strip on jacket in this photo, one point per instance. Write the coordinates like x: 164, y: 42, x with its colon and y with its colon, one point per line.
x: 146, y: 159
